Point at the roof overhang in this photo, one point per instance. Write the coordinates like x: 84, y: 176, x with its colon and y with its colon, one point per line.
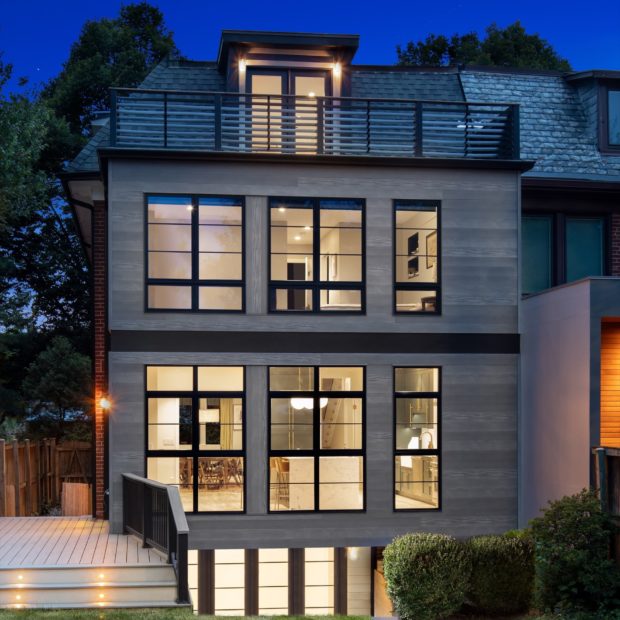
x: 82, y: 190
x: 596, y: 74
x: 345, y: 44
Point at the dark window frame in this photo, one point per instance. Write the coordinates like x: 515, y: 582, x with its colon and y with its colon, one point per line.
x: 195, y: 453
x: 438, y: 452
x: 195, y: 283
x: 558, y: 248
x: 316, y: 453
x: 604, y: 145
x: 316, y: 285
x: 435, y: 287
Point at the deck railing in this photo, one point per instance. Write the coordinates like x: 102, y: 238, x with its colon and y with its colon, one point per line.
x: 154, y: 512
x: 296, y: 125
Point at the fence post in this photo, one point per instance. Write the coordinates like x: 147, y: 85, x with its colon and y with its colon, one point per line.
x: 2, y: 479
x: 37, y: 452
x: 182, y: 585
x: 27, y: 474
x: 601, y: 468
x: 55, y: 470
x: 16, y: 482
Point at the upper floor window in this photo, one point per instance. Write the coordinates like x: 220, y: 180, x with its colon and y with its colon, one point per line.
x: 317, y: 255
x: 609, y: 101
x: 557, y: 248
x: 195, y: 435
x: 416, y: 256
x: 195, y: 253
x: 316, y: 438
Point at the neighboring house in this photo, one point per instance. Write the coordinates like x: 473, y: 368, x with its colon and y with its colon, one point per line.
x: 307, y: 292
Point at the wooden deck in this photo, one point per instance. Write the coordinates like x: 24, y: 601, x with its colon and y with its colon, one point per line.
x: 68, y: 541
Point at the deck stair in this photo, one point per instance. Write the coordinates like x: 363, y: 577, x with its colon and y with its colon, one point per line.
x: 76, y: 563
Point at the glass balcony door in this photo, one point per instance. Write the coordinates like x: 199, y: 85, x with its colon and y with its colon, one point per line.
x: 284, y: 111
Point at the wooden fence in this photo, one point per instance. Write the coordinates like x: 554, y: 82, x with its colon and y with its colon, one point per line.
x: 32, y: 473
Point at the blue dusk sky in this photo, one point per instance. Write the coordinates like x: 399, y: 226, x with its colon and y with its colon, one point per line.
x: 36, y: 35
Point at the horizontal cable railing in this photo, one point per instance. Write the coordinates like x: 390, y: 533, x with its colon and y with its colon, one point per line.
x: 154, y: 512
x: 240, y: 123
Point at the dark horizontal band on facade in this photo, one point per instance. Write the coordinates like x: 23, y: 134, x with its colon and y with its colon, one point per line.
x: 310, y: 342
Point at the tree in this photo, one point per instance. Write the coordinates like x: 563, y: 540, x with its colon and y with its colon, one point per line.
x: 58, y: 386
x: 109, y: 52
x: 502, y: 47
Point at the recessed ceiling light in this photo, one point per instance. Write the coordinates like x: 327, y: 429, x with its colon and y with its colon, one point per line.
x: 297, y: 238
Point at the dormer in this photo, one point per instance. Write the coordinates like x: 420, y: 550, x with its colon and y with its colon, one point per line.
x: 285, y: 63
x: 600, y: 96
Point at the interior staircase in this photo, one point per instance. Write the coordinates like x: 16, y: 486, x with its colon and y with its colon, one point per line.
x: 80, y: 586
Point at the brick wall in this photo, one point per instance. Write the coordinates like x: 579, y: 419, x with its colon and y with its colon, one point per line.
x: 615, y: 244
x: 100, y: 351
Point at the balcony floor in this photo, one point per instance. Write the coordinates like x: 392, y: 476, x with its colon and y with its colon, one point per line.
x: 68, y: 541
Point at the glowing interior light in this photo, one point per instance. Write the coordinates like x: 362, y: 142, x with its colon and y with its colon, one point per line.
x: 101, y: 576
x: 281, y: 209
x: 311, y: 94
x: 353, y: 553
x: 18, y: 597
x: 190, y: 208
x: 105, y: 403
x: 102, y: 596
x: 337, y: 69
x: 301, y: 403
x: 20, y: 577
x: 297, y: 238
x: 306, y: 227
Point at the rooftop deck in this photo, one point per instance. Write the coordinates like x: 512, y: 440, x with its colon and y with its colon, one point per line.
x: 68, y: 541
x: 327, y: 126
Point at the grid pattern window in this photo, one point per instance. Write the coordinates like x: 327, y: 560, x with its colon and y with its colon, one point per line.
x: 195, y: 254
x: 319, y: 578
x: 316, y: 438
x: 613, y: 118
x: 317, y: 255
x: 417, y: 410
x: 416, y: 257
x: 195, y: 434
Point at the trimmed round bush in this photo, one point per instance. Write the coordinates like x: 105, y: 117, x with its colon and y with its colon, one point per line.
x: 574, y: 571
x: 427, y: 575
x: 502, y: 577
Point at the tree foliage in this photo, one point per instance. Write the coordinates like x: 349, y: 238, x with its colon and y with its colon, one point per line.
x: 501, y: 47
x: 44, y: 278
x: 109, y: 52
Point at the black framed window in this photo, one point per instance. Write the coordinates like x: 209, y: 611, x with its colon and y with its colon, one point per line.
x: 417, y: 436
x: 559, y: 248
x: 609, y: 126
x: 416, y: 257
x: 317, y: 261
x: 196, y: 434
x: 194, y: 253
x: 316, y: 438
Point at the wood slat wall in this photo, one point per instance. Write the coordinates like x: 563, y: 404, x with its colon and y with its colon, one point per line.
x: 610, y: 385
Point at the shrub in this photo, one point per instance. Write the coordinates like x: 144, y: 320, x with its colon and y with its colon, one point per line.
x: 502, y: 576
x: 427, y: 575
x: 574, y: 573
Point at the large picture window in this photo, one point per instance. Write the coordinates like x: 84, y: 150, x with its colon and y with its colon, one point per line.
x: 316, y: 438
x: 609, y: 118
x: 195, y: 434
x: 416, y: 257
x: 317, y: 255
x: 417, y: 407
x: 195, y: 253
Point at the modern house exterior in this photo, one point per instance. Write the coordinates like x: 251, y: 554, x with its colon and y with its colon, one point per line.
x: 307, y: 286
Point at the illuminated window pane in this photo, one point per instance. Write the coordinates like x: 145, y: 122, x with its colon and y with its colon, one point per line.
x: 175, y: 471
x: 291, y: 483
x: 341, y: 423
x: 416, y: 424
x: 341, y: 483
x: 416, y: 301
x: 220, y: 298
x: 169, y: 378
x: 220, y: 484
x: 229, y: 582
x: 169, y: 210
x: 613, y: 113
x: 291, y: 378
x: 273, y: 581
x: 298, y: 299
x: 416, y: 482
x: 341, y: 378
x: 319, y: 581
x: 170, y: 423
x: 292, y: 423
x: 214, y: 266
x: 416, y: 379
x: 170, y: 297
x: 220, y: 378
x: 220, y: 423
x: 341, y: 300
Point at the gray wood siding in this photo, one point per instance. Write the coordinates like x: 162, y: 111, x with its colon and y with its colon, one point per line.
x: 479, y: 242
x: 479, y: 451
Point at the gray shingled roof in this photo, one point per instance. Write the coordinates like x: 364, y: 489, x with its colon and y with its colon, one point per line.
x: 86, y: 160
x: 185, y: 75
x: 383, y: 83
x: 554, y: 130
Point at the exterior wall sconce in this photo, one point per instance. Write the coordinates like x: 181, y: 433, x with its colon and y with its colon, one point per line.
x: 242, y: 65
x: 337, y: 69
x: 105, y: 403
